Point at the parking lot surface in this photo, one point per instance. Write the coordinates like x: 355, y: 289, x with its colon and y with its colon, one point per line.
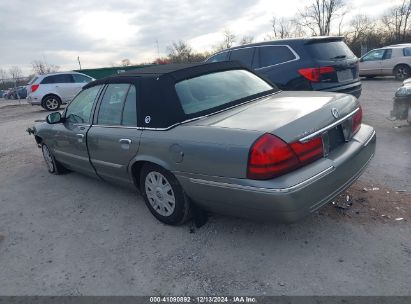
x: 73, y: 235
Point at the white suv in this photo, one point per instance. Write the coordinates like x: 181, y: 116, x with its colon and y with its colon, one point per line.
x: 52, y: 90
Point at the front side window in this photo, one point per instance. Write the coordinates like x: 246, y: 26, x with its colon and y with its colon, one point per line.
x: 245, y: 56
x: 78, y: 78
x: 271, y: 55
x: 79, y: 110
x: 374, y: 55
x: 218, y: 89
x: 111, y: 106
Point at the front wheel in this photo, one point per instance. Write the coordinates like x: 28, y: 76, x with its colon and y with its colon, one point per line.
x: 402, y: 72
x: 164, y: 196
x: 51, y: 103
x: 53, y: 166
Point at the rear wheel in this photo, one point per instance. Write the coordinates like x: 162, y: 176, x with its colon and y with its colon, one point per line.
x: 164, y: 196
x: 51, y: 103
x: 402, y: 72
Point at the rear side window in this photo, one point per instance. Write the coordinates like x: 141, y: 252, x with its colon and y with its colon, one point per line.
x: 219, y: 57
x: 111, y: 106
x: 245, y: 56
x: 129, y: 109
x: 271, y: 55
x: 62, y: 78
x: 78, y: 78
x: 407, y: 51
x: 333, y: 50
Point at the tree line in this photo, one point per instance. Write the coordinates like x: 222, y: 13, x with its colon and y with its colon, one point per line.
x: 319, y: 18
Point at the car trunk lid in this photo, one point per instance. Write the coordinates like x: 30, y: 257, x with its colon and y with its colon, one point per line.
x: 288, y: 115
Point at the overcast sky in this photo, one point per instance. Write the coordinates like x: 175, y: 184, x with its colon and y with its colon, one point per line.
x: 103, y: 32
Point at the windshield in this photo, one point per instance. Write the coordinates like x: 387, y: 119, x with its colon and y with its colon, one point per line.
x: 218, y: 89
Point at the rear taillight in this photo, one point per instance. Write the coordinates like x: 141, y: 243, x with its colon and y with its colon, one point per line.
x: 34, y: 87
x: 314, y: 74
x: 270, y: 156
x: 308, y: 151
x: 357, y: 120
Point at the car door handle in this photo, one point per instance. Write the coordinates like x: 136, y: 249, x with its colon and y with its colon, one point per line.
x: 80, y: 137
x: 125, y: 141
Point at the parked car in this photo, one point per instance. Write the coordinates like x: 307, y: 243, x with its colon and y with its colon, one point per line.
x: 394, y: 60
x: 52, y: 90
x: 402, y: 102
x: 215, y: 135
x: 309, y: 64
x: 22, y: 92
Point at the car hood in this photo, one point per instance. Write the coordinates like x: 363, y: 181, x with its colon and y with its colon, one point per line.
x: 290, y: 115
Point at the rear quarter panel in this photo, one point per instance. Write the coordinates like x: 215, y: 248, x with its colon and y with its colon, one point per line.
x: 201, y: 150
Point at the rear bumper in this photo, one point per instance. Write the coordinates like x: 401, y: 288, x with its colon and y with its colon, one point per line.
x: 283, y: 199
x: 33, y: 101
x: 354, y: 89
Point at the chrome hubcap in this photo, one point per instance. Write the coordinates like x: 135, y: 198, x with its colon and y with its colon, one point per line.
x: 48, y: 158
x: 160, y: 194
x: 52, y: 103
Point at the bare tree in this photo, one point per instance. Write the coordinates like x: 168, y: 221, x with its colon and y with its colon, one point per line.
x: 15, y: 73
x: 41, y: 67
x: 125, y: 62
x: 359, y: 27
x: 281, y: 28
x: 3, y: 75
x: 246, y: 40
x: 397, y: 20
x: 179, y: 52
x: 229, y: 39
x: 318, y: 15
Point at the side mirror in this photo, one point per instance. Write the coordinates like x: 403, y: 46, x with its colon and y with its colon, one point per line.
x: 54, y: 118
x: 361, y: 59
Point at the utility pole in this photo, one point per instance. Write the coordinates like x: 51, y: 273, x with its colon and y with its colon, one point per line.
x: 79, y: 63
x: 158, y: 49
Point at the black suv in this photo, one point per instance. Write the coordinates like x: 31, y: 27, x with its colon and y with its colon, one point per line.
x: 305, y: 64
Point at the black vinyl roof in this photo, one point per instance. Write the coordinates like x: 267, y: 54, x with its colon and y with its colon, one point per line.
x: 158, y: 105
x: 158, y: 70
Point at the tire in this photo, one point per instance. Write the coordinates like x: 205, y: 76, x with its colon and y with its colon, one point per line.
x: 53, y: 166
x: 402, y: 72
x: 164, y: 196
x: 51, y: 103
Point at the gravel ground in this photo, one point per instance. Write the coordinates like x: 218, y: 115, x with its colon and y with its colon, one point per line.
x: 72, y: 235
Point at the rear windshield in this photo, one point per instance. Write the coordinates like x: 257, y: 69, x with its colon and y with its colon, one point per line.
x: 218, y: 89
x: 334, y: 50
x: 33, y: 80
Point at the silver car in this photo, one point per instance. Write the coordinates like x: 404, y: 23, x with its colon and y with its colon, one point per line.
x: 214, y: 136
x: 390, y: 60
